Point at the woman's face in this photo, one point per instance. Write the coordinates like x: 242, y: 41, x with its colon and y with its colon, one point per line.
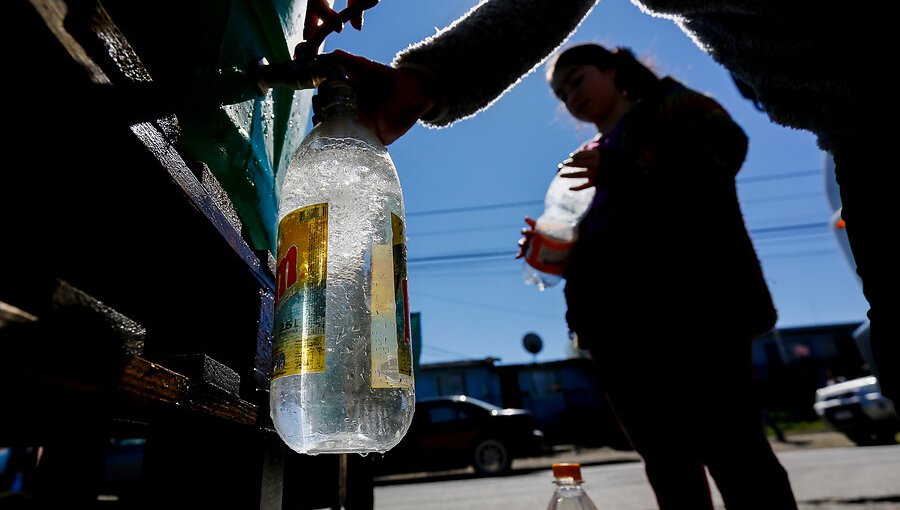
x: 588, y: 92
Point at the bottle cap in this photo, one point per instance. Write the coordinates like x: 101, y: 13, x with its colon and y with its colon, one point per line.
x: 567, y: 470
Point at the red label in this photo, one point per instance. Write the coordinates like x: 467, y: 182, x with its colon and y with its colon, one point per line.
x: 548, y: 255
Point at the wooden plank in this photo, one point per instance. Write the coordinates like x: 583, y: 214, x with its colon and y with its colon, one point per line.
x: 172, y: 162
x: 235, y: 410
x: 205, y: 372
x: 75, y: 310
x: 150, y: 381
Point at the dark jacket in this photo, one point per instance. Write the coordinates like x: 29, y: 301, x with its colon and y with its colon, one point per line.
x: 664, y: 241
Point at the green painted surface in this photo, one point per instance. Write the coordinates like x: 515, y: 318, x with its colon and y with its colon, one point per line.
x: 248, y: 144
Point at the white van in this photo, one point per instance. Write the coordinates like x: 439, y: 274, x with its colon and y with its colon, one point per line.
x: 859, y: 410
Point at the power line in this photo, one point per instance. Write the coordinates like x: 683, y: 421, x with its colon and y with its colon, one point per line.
x: 466, y: 266
x: 418, y: 234
x: 811, y: 237
x: 810, y: 253
x: 787, y: 228
x: 445, y: 352
x: 775, y: 177
x: 462, y: 256
x: 510, y: 228
x: 502, y: 309
x: 483, y: 276
x: 456, y: 210
x: 461, y: 266
x: 462, y: 263
x: 500, y: 254
x: 779, y: 198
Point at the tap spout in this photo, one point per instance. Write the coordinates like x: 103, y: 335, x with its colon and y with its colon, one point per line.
x: 303, y: 72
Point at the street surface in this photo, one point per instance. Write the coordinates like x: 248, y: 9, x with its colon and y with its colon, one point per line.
x: 831, y: 478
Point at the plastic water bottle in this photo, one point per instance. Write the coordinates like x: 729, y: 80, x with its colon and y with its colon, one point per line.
x: 556, y: 231
x: 568, y: 494
x: 342, y: 377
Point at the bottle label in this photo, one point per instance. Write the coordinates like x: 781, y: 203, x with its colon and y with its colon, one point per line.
x: 299, y: 338
x: 391, y: 347
x: 547, y: 254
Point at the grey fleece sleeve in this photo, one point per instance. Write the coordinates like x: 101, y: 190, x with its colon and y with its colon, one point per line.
x: 488, y: 50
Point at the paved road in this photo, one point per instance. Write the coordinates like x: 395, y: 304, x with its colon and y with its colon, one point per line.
x: 838, y: 477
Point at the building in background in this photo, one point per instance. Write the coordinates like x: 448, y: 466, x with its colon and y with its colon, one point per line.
x: 789, y: 364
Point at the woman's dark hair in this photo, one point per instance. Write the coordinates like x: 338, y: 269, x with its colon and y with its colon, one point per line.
x: 632, y: 77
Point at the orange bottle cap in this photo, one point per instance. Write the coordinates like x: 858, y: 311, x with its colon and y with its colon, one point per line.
x: 567, y: 470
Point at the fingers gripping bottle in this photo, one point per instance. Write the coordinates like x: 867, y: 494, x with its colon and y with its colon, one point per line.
x: 342, y: 377
x: 555, y: 231
x: 568, y: 494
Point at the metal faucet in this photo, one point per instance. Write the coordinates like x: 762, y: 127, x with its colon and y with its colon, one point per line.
x: 304, y: 71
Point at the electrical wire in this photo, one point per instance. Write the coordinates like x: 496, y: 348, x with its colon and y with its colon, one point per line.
x: 496, y: 308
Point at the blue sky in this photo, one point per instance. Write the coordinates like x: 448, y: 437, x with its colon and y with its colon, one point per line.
x: 463, y: 277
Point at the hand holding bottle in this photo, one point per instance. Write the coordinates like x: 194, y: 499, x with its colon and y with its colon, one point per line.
x: 547, y: 244
x: 393, y: 99
x: 587, y: 160
x: 527, y: 234
x: 548, y: 241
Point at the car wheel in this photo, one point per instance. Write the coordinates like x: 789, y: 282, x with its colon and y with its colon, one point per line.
x: 491, y: 457
x: 860, y: 438
x: 885, y: 437
x: 872, y: 438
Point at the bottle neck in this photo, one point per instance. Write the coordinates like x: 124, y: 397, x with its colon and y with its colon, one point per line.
x: 338, y: 108
x: 569, y: 490
x: 334, y: 98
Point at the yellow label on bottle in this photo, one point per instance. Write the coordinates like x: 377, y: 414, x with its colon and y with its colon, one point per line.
x: 299, y: 337
x: 391, y: 349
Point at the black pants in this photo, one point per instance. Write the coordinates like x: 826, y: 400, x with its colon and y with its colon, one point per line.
x: 686, y: 401
x: 868, y: 188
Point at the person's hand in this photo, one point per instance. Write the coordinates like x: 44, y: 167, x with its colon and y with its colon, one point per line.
x: 527, y: 234
x: 357, y: 7
x: 390, y: 100
x: 319, y: 13
x: 587, y: 160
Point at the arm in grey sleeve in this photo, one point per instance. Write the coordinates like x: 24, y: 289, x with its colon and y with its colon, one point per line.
x: 487, y: 51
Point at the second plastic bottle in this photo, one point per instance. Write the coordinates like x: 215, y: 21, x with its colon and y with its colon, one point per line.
x: 555, y: 231
x: 342, y: 378
x: 568, y: 494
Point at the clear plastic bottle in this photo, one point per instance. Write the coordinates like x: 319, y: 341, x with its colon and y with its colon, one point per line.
x: 568, y: 494
x: 342, y: 377
x: 556, y: 231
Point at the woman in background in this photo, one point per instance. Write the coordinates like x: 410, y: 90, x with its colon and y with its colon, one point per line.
x: 663, y: 285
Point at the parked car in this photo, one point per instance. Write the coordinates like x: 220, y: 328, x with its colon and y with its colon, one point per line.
x: 859, y: 410
x: 460, y: 431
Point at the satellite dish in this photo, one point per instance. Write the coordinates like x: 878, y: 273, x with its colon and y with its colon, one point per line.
x: 532, y: 343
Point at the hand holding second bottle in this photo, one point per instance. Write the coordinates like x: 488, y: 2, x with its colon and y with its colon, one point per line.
x: 527, y: 234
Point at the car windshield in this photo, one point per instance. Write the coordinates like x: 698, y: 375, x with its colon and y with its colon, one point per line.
x: 481, y: 403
